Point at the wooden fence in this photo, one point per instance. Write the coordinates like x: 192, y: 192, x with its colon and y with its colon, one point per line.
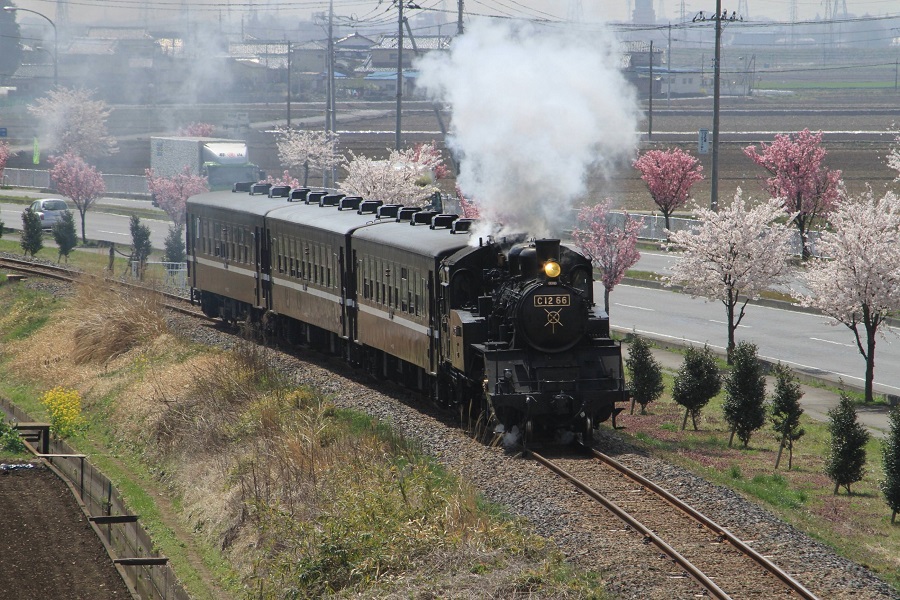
x: 146, y: 573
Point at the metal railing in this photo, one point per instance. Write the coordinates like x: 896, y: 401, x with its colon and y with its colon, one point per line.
x: 131, y: 185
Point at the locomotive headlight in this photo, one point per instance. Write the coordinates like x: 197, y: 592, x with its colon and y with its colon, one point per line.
x: 552, y: 269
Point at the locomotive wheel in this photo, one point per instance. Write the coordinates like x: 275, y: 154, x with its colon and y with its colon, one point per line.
x: 527, y: 432
x: 587, y: 432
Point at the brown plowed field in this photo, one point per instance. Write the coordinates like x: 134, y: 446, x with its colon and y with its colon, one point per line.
x: 47, y: 547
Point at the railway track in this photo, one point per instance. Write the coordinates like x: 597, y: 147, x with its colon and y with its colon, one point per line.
x: 725, y: 566
x: 27, y: 267
x: 172, y: 302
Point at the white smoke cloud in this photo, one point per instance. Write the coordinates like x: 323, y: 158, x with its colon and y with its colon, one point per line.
x: 534, y: 113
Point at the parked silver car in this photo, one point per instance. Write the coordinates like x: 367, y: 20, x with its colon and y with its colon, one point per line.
x: 50, y: 210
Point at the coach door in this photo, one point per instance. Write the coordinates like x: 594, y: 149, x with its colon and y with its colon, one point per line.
x: 263, y: 267
x: 350, y: 292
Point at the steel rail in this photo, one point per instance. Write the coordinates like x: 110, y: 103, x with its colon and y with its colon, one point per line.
x: 714, y: 590
x: 69, y: 275
x: 32, y: 268
x: 714, y: 527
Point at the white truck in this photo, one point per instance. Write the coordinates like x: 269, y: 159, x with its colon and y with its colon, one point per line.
x: 224, y: 162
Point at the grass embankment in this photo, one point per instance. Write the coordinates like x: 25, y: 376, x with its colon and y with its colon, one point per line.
x: 254, y: 487
x: 857, y: 526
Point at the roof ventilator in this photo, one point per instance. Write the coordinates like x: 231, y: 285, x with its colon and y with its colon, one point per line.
x: 441, y: 221
x: 369, y: 206
x: 279, y: 191
x: 314, y: 197
x: 350, y: 202
x: 423, y: 217
x: 331, y: 200
x: 406, y: 213
x: 298, y: 194
x: 241, y: 186
x: 388, y: 211
x: 260, y: 188
x: 461, y: 225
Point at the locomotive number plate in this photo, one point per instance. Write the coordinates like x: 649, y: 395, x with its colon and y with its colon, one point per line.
x: 551, y: 300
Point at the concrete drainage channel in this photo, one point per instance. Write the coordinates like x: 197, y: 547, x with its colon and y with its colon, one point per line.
x: 147, y: 575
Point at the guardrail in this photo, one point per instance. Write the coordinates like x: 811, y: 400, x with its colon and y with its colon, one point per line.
x: 147, y: 575
x: 116, y: 183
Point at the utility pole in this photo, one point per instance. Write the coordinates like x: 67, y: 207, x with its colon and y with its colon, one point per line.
x: 650, y: 111
x: 289, y: 84
x: 400, y: 20
x: 718, y: 17
x: 330, y: 117
x: 459, y: 18
x: 714, y: 177
x: 669, y: 70
x: 400, y: 4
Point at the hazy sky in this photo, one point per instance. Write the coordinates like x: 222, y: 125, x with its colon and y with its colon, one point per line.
x: 109, y: 11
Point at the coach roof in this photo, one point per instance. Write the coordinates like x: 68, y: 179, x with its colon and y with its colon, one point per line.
x: 237, y: 201
x: 418, y: 239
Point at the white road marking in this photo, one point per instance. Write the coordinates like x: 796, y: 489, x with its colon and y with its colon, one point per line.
x: 831, y: 342
x: 635, y: 307
x: 116, y: 233
x: 726, y: 323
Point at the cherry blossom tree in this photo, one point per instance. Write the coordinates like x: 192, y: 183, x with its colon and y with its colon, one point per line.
x: 468, y: 206
x: 308, y: 149
x: 284, y: 179
x: 669, y: 175
x: 405, y: 177
x: 859, y: 283
x: 4, y: 156
x: 78, y: 181
x: 733, y: 256
x: 197, y: 130
x: 75, y: 122
x: 610, y: 246
x: 893, y: 157
x: 171, y: 193
x: 807, y: 189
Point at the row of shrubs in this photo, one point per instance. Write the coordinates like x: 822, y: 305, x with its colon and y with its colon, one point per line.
x: 747, y: 408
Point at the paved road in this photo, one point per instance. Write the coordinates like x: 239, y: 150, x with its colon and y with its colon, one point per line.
x: 101, y: 223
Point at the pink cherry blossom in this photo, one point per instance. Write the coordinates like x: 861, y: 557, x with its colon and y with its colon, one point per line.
x: 807, y: 189
x: 611, y: 247
x: 669, y: 175
x: 171, y: 193
x: 78, y: 181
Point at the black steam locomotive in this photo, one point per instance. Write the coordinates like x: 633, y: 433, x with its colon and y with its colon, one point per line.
x: 506, y: 327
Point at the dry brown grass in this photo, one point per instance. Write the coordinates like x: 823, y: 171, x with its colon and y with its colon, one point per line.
x: 113, y: 320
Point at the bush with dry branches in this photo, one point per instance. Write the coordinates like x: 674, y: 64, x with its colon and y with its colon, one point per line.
x: 113, y: 320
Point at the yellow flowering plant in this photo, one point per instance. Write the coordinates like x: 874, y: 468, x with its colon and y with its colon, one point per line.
x: 64, y: 406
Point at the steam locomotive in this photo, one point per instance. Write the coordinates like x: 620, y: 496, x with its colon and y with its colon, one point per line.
x: 505, y: 328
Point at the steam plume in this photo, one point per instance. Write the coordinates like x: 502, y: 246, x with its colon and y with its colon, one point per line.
x: 534, y: 113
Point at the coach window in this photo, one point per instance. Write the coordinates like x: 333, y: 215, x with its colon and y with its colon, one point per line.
x: 379, y: 281
x: 404, y: 289
x: 233, y: 245
x: 419, y: 282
